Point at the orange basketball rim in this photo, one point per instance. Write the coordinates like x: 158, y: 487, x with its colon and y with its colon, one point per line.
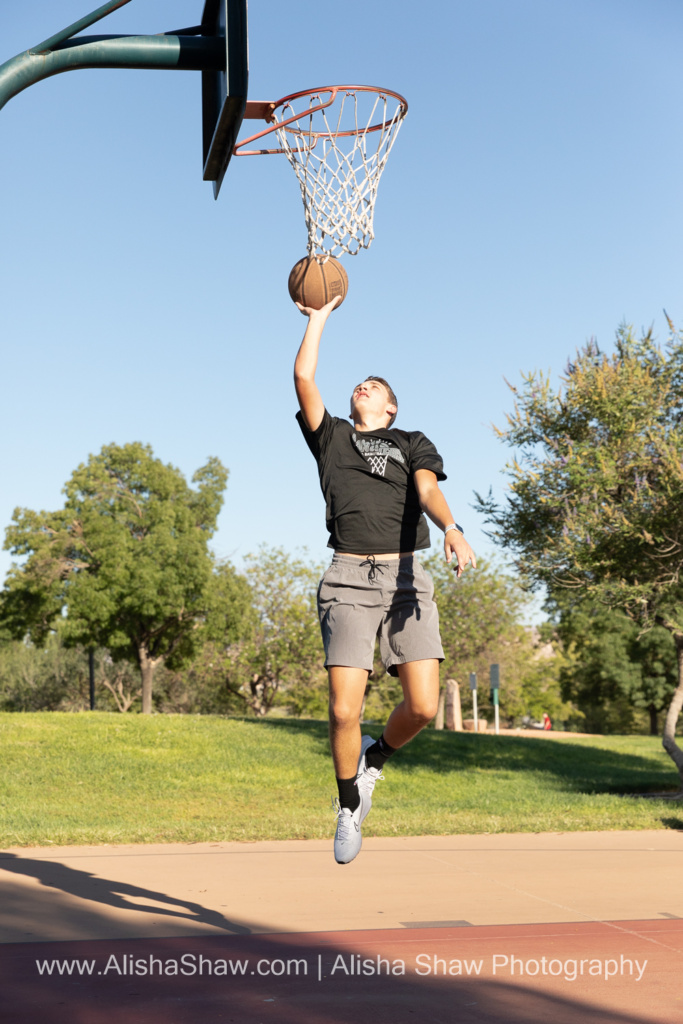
x: 337, y: 139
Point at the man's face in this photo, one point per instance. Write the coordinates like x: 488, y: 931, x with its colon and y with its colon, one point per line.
x: 371, y: 398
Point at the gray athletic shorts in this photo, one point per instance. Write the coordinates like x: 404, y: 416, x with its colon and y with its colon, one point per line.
x: 392, y: 599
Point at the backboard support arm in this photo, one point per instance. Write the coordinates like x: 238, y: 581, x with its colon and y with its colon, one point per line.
x: 217, y: 47
x: 80, y: 25
x: 180, y: 53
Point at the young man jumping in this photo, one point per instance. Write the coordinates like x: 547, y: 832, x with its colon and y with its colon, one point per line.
x: 377, y: 484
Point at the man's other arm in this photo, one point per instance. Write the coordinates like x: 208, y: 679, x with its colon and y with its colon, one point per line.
x: 436, y: 507
x: 306, y: 362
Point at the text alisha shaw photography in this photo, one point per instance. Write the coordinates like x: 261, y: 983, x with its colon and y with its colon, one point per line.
x: 352, y: 965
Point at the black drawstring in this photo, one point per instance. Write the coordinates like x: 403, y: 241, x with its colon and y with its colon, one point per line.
x: 374, y: 568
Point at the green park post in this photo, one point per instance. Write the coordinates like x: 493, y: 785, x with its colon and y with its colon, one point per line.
x: 495, y: 687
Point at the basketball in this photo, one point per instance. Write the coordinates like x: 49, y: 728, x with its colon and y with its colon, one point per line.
x: 316, y: 280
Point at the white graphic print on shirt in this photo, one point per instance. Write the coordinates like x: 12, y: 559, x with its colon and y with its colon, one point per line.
x: 376, y: 452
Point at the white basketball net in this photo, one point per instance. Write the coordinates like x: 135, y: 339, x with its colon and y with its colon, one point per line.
x: 338, y: 155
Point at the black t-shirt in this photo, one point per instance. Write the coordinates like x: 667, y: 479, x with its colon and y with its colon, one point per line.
x: 367, y: 480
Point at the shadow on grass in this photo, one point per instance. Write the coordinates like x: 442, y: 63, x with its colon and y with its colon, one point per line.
x: 580, y: 767
x: 315, y: 731
x: 673, y: 823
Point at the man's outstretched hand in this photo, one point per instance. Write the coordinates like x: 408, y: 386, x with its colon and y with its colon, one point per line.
x: 455, y: 544
x: 323, y: 312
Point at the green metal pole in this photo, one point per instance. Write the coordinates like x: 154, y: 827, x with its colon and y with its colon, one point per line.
x: 189, y: 53
x: 78, y: 26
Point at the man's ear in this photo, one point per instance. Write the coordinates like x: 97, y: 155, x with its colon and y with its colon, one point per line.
x: 392, y: 410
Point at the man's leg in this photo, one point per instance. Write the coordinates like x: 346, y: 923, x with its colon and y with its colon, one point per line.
x: 410, y: 631
x: 347, y: 689
x: 420, y: 684
x: 347, y: 686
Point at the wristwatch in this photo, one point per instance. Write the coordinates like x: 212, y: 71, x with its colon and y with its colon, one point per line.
x: 454, y: 526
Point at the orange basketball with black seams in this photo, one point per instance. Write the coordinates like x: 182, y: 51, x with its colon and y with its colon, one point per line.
x: 315, y: 280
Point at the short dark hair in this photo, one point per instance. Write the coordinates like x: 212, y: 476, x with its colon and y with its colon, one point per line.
x: 390, y: 391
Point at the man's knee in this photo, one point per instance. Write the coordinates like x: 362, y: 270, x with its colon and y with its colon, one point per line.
x: 420, y: 682
x: 422, y: 706
x: 423, y: 712
x: 343, y: 713
x: 347, y: 689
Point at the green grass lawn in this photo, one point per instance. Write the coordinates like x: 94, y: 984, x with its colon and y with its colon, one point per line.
x: 109, y: 778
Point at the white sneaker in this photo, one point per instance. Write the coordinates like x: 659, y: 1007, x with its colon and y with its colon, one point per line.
x: 366, y: 778
x: 347, y: 838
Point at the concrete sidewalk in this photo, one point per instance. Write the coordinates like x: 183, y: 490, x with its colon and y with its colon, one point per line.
x: 610, y: 897
x: 102, y: 892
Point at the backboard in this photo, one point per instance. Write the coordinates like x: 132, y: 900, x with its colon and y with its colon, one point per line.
x: 224, y: 93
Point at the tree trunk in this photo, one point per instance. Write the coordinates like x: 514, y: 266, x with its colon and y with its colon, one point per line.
x: 653, y: 719
x: 669, y: 732
x: 147, y: 667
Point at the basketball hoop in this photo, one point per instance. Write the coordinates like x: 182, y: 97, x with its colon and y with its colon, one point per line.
x: 338, y: 145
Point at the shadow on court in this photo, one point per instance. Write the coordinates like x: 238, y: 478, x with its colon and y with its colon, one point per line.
x: 111, y: 893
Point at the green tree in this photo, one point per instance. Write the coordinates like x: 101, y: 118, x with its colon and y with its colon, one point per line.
x: 596, y: 490
x: 280, y: 659
x: 481, y: 617
x: 57, y: 678
x: 210, y: 682
x: 125, y: 562
x: 48, y: 678
x: 284, y: 655
x: 613, y: 671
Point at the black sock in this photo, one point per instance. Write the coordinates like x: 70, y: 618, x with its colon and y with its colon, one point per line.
x: 348, y: 793
x: 378, y: 753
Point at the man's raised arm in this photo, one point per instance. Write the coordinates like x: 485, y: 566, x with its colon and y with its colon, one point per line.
x: 310, y: 400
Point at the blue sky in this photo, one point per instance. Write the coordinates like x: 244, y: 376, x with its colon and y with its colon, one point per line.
x: 533, y: 200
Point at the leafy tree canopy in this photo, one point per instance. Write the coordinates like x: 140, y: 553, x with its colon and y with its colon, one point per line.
x: 612, y: 669
x: 125, y: 561
x: 281, y: 659
x: 596, y: 491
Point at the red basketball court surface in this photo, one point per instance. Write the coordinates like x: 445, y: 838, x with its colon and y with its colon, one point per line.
x: 556, y: 927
